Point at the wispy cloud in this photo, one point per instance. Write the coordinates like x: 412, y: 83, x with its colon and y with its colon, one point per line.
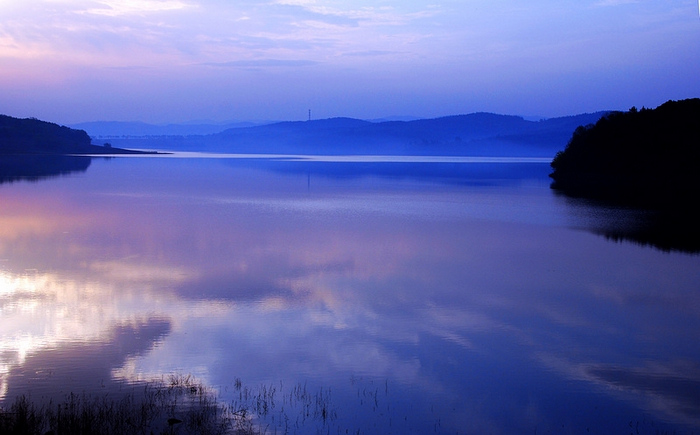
x: 137, y: 7
x: 60, y: 41
x: 303, y: 14
x: 369, y: 53
x: 366, y: 15
x: 258, y: 63
x: 615, y: 2
x: 119, y: 32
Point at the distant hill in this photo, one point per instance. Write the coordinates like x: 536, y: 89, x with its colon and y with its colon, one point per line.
x: 116, y: 129
x: 647, y: 157
x: 32, y: 136
x: 476, y: 134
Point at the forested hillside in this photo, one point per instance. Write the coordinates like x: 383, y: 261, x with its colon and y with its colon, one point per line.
x: 32, y: 136
x: 644, y: 157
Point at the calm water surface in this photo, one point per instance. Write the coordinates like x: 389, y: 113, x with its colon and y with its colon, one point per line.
x: 442, y: 297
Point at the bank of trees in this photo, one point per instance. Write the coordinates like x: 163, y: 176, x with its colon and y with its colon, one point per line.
x: 31, y: 135
x: 647, y: 157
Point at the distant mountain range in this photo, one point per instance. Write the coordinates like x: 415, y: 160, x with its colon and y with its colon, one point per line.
x: 476, y: 134
x: 110, y: 129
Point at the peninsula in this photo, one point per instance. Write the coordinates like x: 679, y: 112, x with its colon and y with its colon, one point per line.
x: 31, y: 136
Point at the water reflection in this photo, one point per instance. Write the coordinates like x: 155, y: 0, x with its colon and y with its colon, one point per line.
x: 480, y: 172
x: 60, y: 334
x: 475, y: 304
x: 36, y: 167
x: 666, y: 230
x: 675, y: 389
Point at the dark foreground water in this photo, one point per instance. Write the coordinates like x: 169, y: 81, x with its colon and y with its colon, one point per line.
x: 355, y: 296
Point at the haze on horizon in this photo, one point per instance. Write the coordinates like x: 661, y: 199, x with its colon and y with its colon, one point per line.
x: 160, y: 61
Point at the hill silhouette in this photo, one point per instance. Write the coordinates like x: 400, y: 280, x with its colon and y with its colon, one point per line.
x: 646, y: 157
x: 476, y: 134
x: 112, y: 129
x: 32, y: 136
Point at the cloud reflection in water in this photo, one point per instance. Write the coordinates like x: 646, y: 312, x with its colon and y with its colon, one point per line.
x: 475, y: 295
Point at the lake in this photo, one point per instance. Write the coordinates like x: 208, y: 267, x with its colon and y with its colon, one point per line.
x: 403, y: 295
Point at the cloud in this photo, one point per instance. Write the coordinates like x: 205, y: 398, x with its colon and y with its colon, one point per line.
x: 369, y: 53
x: 257, y: 63
x: 356, y: 16
x: 325, y: 16
x: 128, y: 7
x: 615, y: 2
x: 113, y: 33
x: 54, y: 44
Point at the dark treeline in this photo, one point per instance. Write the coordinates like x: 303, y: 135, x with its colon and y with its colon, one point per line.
x: 32, y: 136
x: 647, y: 157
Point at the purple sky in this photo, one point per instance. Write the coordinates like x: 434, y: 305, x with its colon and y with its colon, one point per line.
x: 162, y: 61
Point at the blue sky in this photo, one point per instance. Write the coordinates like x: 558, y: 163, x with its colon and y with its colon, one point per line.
x: 179, y: 60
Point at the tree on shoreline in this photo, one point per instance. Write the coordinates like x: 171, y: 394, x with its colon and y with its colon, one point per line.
x: 32, y: 136
x: 646, y: 157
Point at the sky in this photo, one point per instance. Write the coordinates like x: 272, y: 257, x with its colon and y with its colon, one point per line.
x: 165, y: 61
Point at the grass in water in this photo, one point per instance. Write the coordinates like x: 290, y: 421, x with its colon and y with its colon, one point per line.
x: 176, y: 405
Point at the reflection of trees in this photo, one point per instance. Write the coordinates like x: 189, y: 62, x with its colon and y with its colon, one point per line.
x: 35, y: 167
x: 666, y: 230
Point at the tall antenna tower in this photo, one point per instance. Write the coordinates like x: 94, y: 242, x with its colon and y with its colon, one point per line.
x: 309, y: 114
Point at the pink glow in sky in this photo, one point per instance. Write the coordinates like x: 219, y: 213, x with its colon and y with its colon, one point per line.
x: 157, y: 61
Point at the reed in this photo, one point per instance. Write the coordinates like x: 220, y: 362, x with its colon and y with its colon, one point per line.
x: 177, y: 404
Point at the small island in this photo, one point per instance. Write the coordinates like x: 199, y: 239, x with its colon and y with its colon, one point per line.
x: 31, y: 136
x: 645, y: 158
